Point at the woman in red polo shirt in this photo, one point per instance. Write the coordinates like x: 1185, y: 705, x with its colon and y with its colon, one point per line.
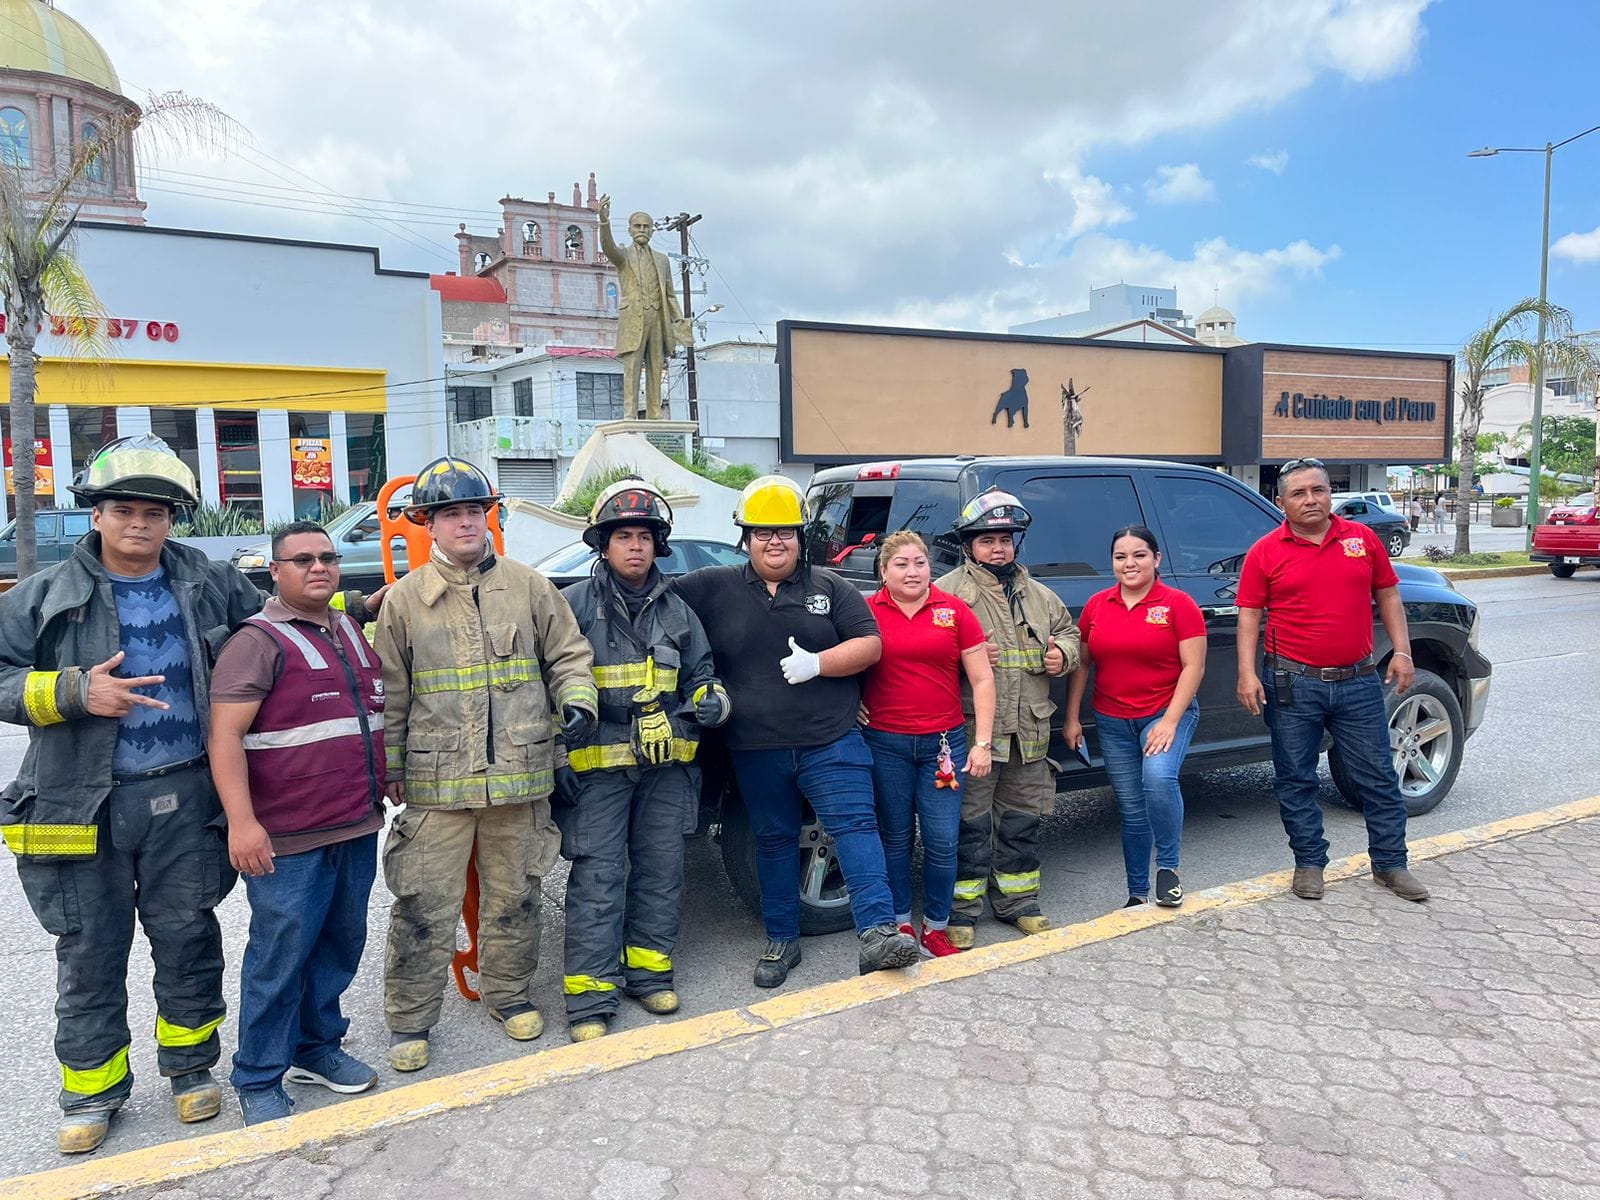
x: 911, y: 708
x: 1148, y: 645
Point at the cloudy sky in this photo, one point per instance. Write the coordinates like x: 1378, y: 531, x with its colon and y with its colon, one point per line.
x: 933, y: 163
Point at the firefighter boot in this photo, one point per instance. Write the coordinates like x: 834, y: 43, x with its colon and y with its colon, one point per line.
x: 660, y: 1003
x: 1033, y: 922
x: 196, y: 1096
x: 523, y: 1022
x: 587, y: 1031
x: 84, y: 1130
x: 962, y: 937
x: 408, y: 1051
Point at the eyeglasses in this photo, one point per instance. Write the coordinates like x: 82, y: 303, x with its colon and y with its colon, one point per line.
x: 767, y: 535
x: 304, y: 561
x: 1297, y: 464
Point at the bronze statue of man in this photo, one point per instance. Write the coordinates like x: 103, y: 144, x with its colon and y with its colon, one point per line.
x: 650, y: 325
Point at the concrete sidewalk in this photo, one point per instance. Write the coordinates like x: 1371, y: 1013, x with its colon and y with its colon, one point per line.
x: 1252, y: 1045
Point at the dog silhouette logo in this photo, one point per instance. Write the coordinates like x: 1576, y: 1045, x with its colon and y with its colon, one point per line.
x: 1014, y: 400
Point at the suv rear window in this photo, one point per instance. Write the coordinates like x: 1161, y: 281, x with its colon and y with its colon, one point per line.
x: 1074, y: 517
x: 851, y: 517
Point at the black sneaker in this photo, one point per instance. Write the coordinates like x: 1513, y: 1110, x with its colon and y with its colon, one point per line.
x: 1135, y: 901
x: 776, y: 961
x: 1169, y: 892
x: 885, y: 948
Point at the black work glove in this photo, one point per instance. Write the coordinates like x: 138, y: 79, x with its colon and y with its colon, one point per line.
x: 567, y: 785
x: 577, y: 724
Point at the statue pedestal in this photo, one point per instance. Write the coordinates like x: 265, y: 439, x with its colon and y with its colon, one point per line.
x: 670, y: 437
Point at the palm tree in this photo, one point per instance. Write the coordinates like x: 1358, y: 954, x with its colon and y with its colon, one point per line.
x: 39, y: 275
x: 1504, y: 342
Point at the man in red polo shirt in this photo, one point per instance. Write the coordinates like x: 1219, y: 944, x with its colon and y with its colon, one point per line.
x: 1318, y: 574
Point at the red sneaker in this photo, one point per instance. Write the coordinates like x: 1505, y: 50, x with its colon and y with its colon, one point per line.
x: 936, y: 943
x: 911, y: 933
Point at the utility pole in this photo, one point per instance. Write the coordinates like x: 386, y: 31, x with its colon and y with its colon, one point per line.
x: 681, y: 223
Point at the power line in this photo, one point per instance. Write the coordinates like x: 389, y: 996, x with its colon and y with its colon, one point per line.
x: 382, y: 202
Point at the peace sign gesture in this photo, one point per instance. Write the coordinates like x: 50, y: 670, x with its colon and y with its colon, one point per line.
x: 113, y: 696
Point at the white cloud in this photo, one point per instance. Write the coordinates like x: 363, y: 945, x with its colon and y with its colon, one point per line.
x: 1273, y: 160
x: 1579, y: 247
x: 1182, y: 184
x: 843, y: 157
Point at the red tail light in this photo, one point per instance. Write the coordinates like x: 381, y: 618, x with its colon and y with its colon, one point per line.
x: 883, y: 470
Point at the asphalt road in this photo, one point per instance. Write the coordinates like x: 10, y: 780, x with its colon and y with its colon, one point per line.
x: 1538, y: 747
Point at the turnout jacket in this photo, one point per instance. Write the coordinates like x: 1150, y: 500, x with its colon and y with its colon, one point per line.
x: 1020, y: 619
x: 474, y: 662
x: 55, y: 626
x: 663, y: 650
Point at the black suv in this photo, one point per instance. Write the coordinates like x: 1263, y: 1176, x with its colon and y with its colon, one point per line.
x: 1205, y: 521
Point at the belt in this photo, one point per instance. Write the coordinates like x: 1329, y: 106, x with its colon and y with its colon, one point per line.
x: 196, y: 762
x: 1325, y: 674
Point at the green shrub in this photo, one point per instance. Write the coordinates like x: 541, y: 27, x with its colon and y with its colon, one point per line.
x: 734, y: 475
x: 211, y: 520
x: 1505, y: 502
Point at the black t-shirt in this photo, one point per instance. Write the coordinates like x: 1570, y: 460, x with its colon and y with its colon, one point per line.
x: 750, y: 631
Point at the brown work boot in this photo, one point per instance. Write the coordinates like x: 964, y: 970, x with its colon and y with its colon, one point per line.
x: 1307, y: 883
x: 1402, y: 883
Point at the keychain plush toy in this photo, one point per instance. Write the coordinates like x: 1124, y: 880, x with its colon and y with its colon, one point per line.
x: 944, y: 774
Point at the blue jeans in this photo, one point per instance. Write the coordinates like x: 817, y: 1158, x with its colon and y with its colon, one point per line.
x: 1147, y: 790
x: 903, y: 768
x: 1352, y: 711
x: 308, y: 927
x: 837, y: 779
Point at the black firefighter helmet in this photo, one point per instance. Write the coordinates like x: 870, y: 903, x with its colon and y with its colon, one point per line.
x: 446, y: 481
x: 629, y: 501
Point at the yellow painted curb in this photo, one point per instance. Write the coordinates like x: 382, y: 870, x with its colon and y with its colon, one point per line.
x: 402, y: 1105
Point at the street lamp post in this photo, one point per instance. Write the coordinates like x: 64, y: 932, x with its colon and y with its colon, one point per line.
x: 1536, y: 440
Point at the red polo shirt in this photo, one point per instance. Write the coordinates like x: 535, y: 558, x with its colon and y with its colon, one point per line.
x: 916, y: 686
x: 1135, y: 650
x: 1319, y: 595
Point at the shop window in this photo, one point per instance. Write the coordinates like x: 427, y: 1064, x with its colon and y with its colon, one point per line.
x: 44, y: 497
x: 574, y: 244
x: 310, y: 465
x: 16, y: 138
x: 599, y: 396
x: 92, y: 427
x: 178, y: 428
x: 522, y: 397
x: 468, y: 404
x: 239, y: 461
x: 95, y: 170
x: 365, y: 454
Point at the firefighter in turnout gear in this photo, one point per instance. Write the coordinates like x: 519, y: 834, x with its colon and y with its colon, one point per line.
x: 106, y: 658
x: 630, y: 793
x: 1031, y: 640
x: 477, y: 650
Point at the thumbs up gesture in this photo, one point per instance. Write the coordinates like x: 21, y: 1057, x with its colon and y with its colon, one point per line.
x: 801, y: 664
x: 1054, y: 660
x: 992, y: 648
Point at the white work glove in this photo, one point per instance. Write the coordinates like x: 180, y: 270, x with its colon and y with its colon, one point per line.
x: 801, y: 665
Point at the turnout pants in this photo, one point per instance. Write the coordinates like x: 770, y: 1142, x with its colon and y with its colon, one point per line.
x: 425, y: 866
x: 163, y: 855
x: 998, y: 847
x: 624, y: 836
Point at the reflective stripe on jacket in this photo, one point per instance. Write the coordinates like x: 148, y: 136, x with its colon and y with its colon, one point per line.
x: 1021, y: 623
x: 315, y: 748
x: 474, y: 663
x: 664, y: 650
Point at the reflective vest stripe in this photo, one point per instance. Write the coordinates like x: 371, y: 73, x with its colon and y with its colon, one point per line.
x: 39, y: 698
x: 1022, y: 881
x: 358, y: 640
x: 52, y: 839
x: 499, y: 673
x: 97, y: 1079
x: 637, y: 675
x: 620, y: 754
x: 168, y: 1034
x: 1029, y: 659
x: 969, y: 889
x: 639, y: 958
x: 577, y: 985
x: 305, y: 735
x: 310, y: 653
x: 482, y: 788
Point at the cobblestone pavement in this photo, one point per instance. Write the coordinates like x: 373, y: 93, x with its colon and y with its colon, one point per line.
x: 1360, y: 1047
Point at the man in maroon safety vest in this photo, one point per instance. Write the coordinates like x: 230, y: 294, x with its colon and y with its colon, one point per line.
x: 297, y: 756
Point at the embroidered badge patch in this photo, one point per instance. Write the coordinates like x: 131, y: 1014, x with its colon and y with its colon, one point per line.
x: 1354, y: 547
x: 1156, y: 614
x: 819, y: 605
x: 944, y: 618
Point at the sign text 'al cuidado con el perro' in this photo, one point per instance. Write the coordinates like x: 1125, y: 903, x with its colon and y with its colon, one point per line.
x: 1322, y: 407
